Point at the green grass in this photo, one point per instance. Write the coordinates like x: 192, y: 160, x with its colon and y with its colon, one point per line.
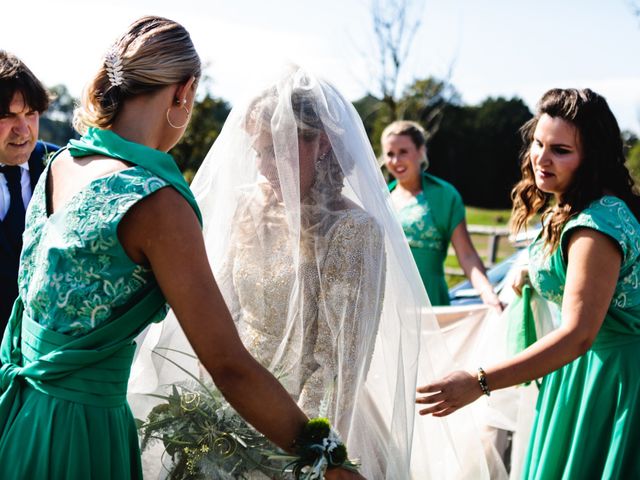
x: 481, y: 216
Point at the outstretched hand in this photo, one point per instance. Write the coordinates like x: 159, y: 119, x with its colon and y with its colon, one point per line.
x: 449, y: 394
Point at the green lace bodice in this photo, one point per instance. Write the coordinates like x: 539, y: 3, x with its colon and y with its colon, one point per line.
x: 74, y: 273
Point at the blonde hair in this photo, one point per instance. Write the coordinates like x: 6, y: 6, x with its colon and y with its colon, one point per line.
x: 154, y: 52
x: 414, y: 131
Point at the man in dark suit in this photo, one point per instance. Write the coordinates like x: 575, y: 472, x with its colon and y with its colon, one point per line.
x: 22, y: 99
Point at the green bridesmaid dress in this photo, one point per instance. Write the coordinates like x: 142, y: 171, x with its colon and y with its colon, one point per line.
x: 69, y: 344
x: 587, y: 421
x: 428, y: 223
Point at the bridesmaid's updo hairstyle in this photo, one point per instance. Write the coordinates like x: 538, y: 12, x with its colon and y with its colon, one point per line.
x: 153, y: 53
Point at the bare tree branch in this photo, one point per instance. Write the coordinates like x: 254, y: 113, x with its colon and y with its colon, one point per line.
x: 395, y: 24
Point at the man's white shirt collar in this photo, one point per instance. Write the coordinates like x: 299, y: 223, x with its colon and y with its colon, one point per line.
x: 24, y: 166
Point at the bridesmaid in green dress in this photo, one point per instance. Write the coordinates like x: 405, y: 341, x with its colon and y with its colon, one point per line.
x: 431, y: 213
x: 112, y: 235
x: 587, y: 259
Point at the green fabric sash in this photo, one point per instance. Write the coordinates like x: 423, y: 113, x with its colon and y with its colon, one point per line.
x: 105, y: 142
x: 521, y: 329
x: 92, y: 369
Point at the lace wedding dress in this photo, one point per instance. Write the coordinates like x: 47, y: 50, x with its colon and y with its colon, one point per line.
x: 343, y: 253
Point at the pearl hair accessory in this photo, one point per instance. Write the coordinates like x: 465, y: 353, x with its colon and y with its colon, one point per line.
x: 113, y: 65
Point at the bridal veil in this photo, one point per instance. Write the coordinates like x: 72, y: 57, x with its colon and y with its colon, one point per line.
x: 318, y: 276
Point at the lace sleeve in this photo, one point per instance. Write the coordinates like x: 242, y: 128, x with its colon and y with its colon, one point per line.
x: 349, y: 306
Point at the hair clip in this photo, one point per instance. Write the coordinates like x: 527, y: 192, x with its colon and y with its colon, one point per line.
x: 113, y: 65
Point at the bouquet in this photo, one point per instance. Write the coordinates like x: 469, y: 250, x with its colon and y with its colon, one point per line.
x: 206, y: 438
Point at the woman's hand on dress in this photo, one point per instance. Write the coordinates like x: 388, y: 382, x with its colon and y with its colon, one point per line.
x: 521, y: 279
x: 342, y: 474
x: 449, y: 394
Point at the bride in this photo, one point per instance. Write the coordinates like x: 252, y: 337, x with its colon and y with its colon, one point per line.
x: 313, y: 267
x: 304, y: 269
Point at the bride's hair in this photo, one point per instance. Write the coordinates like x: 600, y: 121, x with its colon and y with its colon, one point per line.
x: 320, y: 208
x: 329, y: 177
x: 153, y: 53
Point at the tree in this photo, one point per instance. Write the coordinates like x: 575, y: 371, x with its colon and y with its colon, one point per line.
x: 629, y: 139
x: 369, y: 108
x: 422, y: 101
x: 62, y: 104
x: 395, y: 24
x: 632, y: 154
x: 633, y: 163
x: 477, y: 149
x: 56, y: 123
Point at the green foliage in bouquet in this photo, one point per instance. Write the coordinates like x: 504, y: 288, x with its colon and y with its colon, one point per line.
x: 206, y: 438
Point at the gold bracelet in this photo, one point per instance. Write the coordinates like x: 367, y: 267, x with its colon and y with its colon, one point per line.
x: 482, y: 380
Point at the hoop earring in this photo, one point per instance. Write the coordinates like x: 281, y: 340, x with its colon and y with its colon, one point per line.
x: 184, y: 106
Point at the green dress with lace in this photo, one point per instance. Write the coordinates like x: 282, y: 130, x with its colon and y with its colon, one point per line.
x: 428, y: 223
x: 68, y: 348
x: 587, y: 421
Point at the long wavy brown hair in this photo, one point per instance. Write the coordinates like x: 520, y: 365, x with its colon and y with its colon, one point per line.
x: 602, y: 170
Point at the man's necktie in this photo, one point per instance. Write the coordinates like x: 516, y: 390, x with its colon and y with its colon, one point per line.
x: 14, y: 219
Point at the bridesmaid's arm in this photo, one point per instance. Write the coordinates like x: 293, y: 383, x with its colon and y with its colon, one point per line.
x: 593, y: 269
x: 162, y: 231
x: 472, y: 265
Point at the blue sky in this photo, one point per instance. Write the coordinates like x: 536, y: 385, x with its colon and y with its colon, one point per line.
x: 497, y: 47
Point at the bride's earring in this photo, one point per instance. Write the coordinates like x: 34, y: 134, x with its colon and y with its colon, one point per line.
x: 184, y: 107
x: 320, y: 161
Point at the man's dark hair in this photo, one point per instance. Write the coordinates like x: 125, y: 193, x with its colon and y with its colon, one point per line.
x: 15, y: 76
